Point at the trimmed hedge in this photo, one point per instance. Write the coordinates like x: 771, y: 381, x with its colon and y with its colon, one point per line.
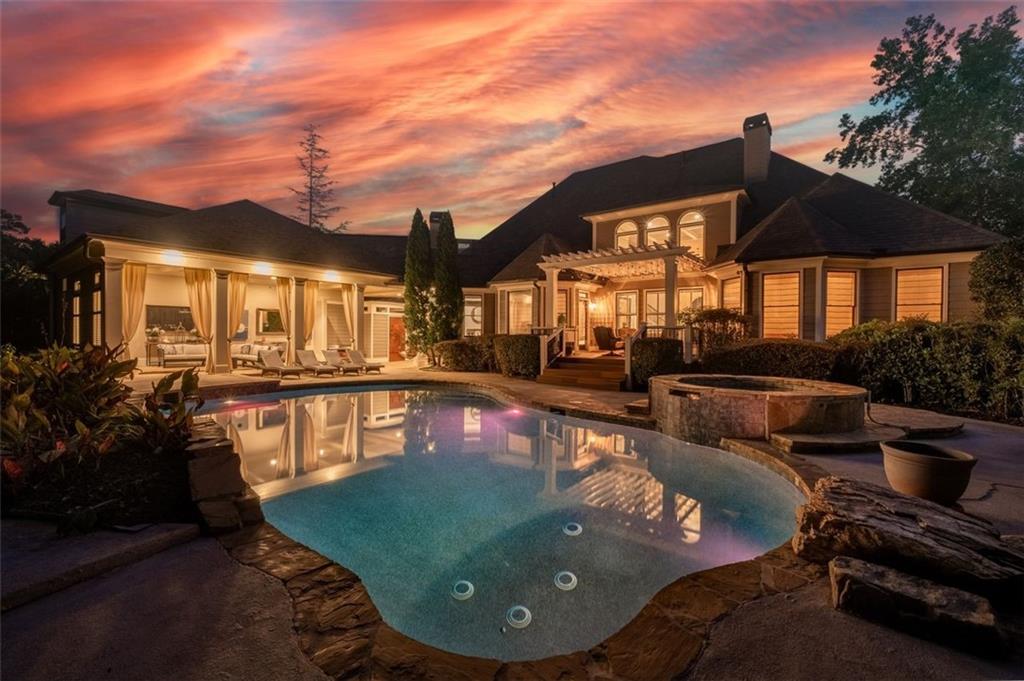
x: 964, y: 367
x: 467, y: 354
x: 717, y: 327
x: 517, y: 355
x: 655, y: 356
x: 972, y: 368
x: 770, y: 357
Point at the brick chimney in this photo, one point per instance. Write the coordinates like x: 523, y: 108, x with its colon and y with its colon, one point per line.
x: 757, y: 148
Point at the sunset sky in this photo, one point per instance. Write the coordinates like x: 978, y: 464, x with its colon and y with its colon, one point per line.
x: 476, y: 108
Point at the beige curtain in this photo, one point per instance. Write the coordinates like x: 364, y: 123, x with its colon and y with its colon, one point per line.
x: 237, y: 284
x: 309, y: 310
x: 350, y: 308
x: 133, y: 294
x: 284, y: 306
x: 199, y: 284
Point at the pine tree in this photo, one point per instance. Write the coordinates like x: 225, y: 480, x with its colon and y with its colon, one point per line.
x: 417, y: 294
x: 446, y: 312
x: 316, y: 197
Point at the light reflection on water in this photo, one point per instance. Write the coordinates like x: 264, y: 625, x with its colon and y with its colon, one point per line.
x: 415, y: 489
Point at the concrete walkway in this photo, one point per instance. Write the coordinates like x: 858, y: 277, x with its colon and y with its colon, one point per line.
x: 189, y: 613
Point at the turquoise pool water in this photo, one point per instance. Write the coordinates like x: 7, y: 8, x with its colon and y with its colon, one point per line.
x: 418, y: 489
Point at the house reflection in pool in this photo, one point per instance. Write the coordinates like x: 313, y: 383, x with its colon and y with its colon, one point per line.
x: 293, y: 443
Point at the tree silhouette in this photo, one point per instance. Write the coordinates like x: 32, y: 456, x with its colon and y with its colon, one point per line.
x: 316, y: 197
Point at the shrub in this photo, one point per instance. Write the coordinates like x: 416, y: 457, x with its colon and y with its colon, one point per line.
x: 73, y: 443
x: 717, y: 327
x: 653, y: 357
x: 997, y: 280
x: 517, y: 355
x: 964, y: 367
x: 466, y: 354
x: 768, y: 357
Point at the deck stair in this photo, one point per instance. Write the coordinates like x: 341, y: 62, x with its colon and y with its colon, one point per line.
x: 596, y: 373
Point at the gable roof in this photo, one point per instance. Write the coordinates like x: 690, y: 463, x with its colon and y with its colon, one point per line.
x: 524, y: 265
x: 842, y: 216
x: 642, y: 180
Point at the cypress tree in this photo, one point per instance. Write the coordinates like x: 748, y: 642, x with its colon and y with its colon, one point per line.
x: 446, y: 315
x: 417, y: 286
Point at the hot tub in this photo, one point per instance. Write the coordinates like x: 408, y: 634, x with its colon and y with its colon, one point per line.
x: 704, y: 408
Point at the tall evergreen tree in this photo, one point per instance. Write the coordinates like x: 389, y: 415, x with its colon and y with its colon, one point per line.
x: 316, y: 196
x: 417, y: 294
x: 446, y: 313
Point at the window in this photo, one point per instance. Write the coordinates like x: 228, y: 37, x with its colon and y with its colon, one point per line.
x: 626, y: 312
x: 97, y: 309
x: 520, y: 311
x: 627, y: 234
x: 781, y: 306
x: 654, y: 307
x: 691, y: 232
x: 269, y: 321
x: 841, y: 301
x: 76, y: 313
x: 689, y: 299
x: 731, y: 299
x: 473, y: 316
x: 919, y: 293
x: 657, y: 231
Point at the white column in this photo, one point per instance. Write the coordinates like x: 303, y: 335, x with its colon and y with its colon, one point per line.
x: 299, y: 314
x: 221, y: 333
x: 550, y: 292
x: 670, y: 291
x: 112, y: 304
x: 359, y: 318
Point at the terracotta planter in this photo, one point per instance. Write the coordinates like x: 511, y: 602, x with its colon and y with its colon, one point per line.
x: 923, y: 470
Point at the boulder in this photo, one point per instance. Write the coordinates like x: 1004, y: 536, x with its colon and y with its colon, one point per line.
x: 216, y: 475
x: 914, y: 604
x: 857, y: 519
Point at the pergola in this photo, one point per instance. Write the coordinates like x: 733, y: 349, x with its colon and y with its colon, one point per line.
x: 631, y: 262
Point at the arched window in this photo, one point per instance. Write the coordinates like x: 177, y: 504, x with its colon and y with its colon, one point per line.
x: 657, y: 231
x: 691, y: 232
x: 627, y: 234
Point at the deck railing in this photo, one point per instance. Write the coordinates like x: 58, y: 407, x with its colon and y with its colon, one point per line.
x: 552, y: 344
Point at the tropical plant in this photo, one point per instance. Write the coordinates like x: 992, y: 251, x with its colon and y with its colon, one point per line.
x: 997, y: 280
x: 946, y: 122
x: 23, y: 286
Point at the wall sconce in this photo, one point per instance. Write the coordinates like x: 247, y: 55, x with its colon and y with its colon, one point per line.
x: 592, y: 306
x: 332, y: 276
x: 261, y: 268
x: 173, y: 257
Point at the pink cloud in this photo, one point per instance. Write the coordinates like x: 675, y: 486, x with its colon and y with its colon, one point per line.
x: 474, y: 107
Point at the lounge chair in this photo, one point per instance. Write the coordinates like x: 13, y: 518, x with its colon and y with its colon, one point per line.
x: 335, y: 359
x: 271, y: 363
x: 357, y: 358
x: 309, y: 362
x: 606, y: 340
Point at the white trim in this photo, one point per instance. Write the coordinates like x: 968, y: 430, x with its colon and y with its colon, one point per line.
x: 662, y: 207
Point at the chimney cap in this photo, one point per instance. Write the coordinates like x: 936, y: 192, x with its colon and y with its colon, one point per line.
x: 758, y: 121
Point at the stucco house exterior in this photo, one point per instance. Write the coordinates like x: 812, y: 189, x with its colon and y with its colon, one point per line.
x: 731, y: 224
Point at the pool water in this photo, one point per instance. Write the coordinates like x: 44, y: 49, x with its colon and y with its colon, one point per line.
x: 418, y: 489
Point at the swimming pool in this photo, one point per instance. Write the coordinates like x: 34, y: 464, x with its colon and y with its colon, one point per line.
x: 497, y: 531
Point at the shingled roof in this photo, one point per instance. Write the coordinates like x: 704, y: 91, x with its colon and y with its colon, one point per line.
x: 524, y: 265
x: 842, y: 216
x: 636, y: 181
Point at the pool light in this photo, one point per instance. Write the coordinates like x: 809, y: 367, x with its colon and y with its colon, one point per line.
x: 462, y: 590
x: 572, y: 529
x: 519, y: 616
x: 566, y: 581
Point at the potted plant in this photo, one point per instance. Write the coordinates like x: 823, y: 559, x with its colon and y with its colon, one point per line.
x: 935, y: 473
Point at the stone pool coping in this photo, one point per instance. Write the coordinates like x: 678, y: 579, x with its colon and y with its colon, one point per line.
x: 802, y: 386
x: 342, y: 632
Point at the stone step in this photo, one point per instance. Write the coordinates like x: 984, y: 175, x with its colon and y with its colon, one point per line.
x: 556, y: 377
x: 586, y: 371
x: 860, y: 440
x: 639, y: 406
x: 617, y: 362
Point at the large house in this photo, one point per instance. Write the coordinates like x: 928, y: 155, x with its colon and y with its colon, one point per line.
x: 731, y: 224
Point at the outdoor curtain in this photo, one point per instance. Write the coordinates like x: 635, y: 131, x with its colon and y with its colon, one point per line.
x: 237, y: 283
x: 199, y: 284
x: 133, y: 294
x: 309, y: 310
x: 350, y: 309
x: 284, y: 305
